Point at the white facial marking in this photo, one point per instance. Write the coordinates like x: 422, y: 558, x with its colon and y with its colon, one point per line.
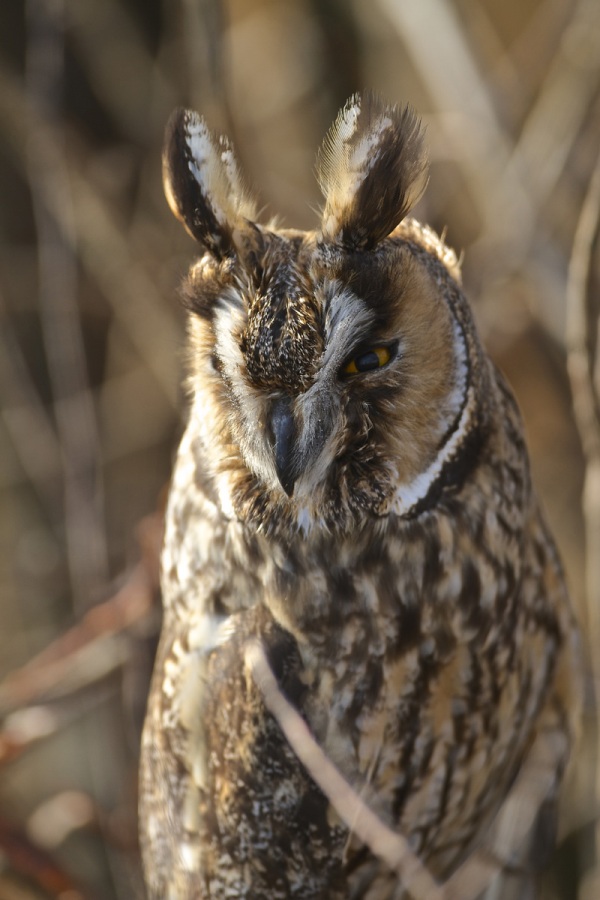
x: 347, y: 317
x: 462, y: 372
x: 251, y: 408
x: 409, y: 494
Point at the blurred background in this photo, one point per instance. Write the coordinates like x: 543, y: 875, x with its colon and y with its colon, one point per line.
x: 91, y: 335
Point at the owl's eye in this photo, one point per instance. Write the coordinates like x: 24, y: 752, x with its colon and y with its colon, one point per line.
x: 368, y: 361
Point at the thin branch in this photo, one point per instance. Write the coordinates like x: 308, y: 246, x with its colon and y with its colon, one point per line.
x: 63, y: 342
x: 128, y: 83
x: 386, y: 844
x: 472, y: 119
x: 102, y: 245
x: 203, y: 43
x: 510, y: 829
x: 583, y: 337
x: 95, y: 647
x: 27, y: 423
x: 563, y: 101
x: 35, y: 865
x: 580, y: 325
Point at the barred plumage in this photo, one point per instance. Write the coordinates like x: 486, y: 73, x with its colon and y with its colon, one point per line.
x: 352, y: 490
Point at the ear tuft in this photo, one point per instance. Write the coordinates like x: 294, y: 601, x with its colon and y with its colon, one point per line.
x: 372, y: 169
x: 203, y: 184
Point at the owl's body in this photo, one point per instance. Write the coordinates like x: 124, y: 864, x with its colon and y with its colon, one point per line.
x: 352, y: 491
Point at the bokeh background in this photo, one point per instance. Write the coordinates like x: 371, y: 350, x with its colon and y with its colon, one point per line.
x: 91, y: 334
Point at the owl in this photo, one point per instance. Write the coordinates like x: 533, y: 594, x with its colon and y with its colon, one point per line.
x: 352, y: 493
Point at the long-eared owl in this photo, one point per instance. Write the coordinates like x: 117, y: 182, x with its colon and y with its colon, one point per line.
x: 353, y: 492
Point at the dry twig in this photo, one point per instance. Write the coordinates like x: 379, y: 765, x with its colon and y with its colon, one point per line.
x: 510, y: 829
x: 583, y: 335
x: 63, y: 341
x: 94, y: 647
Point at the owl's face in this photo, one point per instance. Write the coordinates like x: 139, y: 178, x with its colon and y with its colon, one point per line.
x: 330, y: 369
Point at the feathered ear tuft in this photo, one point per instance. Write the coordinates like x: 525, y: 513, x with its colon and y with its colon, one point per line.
x: 203, y: 184
x: 372, y: 169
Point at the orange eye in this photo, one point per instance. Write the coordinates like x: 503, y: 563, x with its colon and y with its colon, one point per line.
x: 368, y: 361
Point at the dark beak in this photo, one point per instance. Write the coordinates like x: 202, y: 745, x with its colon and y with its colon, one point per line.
x: 283, y: 435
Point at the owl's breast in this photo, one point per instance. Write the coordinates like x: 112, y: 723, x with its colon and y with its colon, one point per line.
x: 426, y: 663
x: 419, y: 653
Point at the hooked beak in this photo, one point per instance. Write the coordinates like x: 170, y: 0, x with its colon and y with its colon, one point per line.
x: 283, y: 435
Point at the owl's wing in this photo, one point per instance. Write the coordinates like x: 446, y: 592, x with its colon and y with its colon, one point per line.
x: 521, y: 839
x: 518, y: 877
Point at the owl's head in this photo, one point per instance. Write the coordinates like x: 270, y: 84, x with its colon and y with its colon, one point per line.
x: 332, y: 370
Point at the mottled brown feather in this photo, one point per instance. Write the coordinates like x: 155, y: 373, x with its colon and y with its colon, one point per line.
x: 402, y: 581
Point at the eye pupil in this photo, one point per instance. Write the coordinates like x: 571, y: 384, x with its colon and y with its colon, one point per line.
x: 368, y: 361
